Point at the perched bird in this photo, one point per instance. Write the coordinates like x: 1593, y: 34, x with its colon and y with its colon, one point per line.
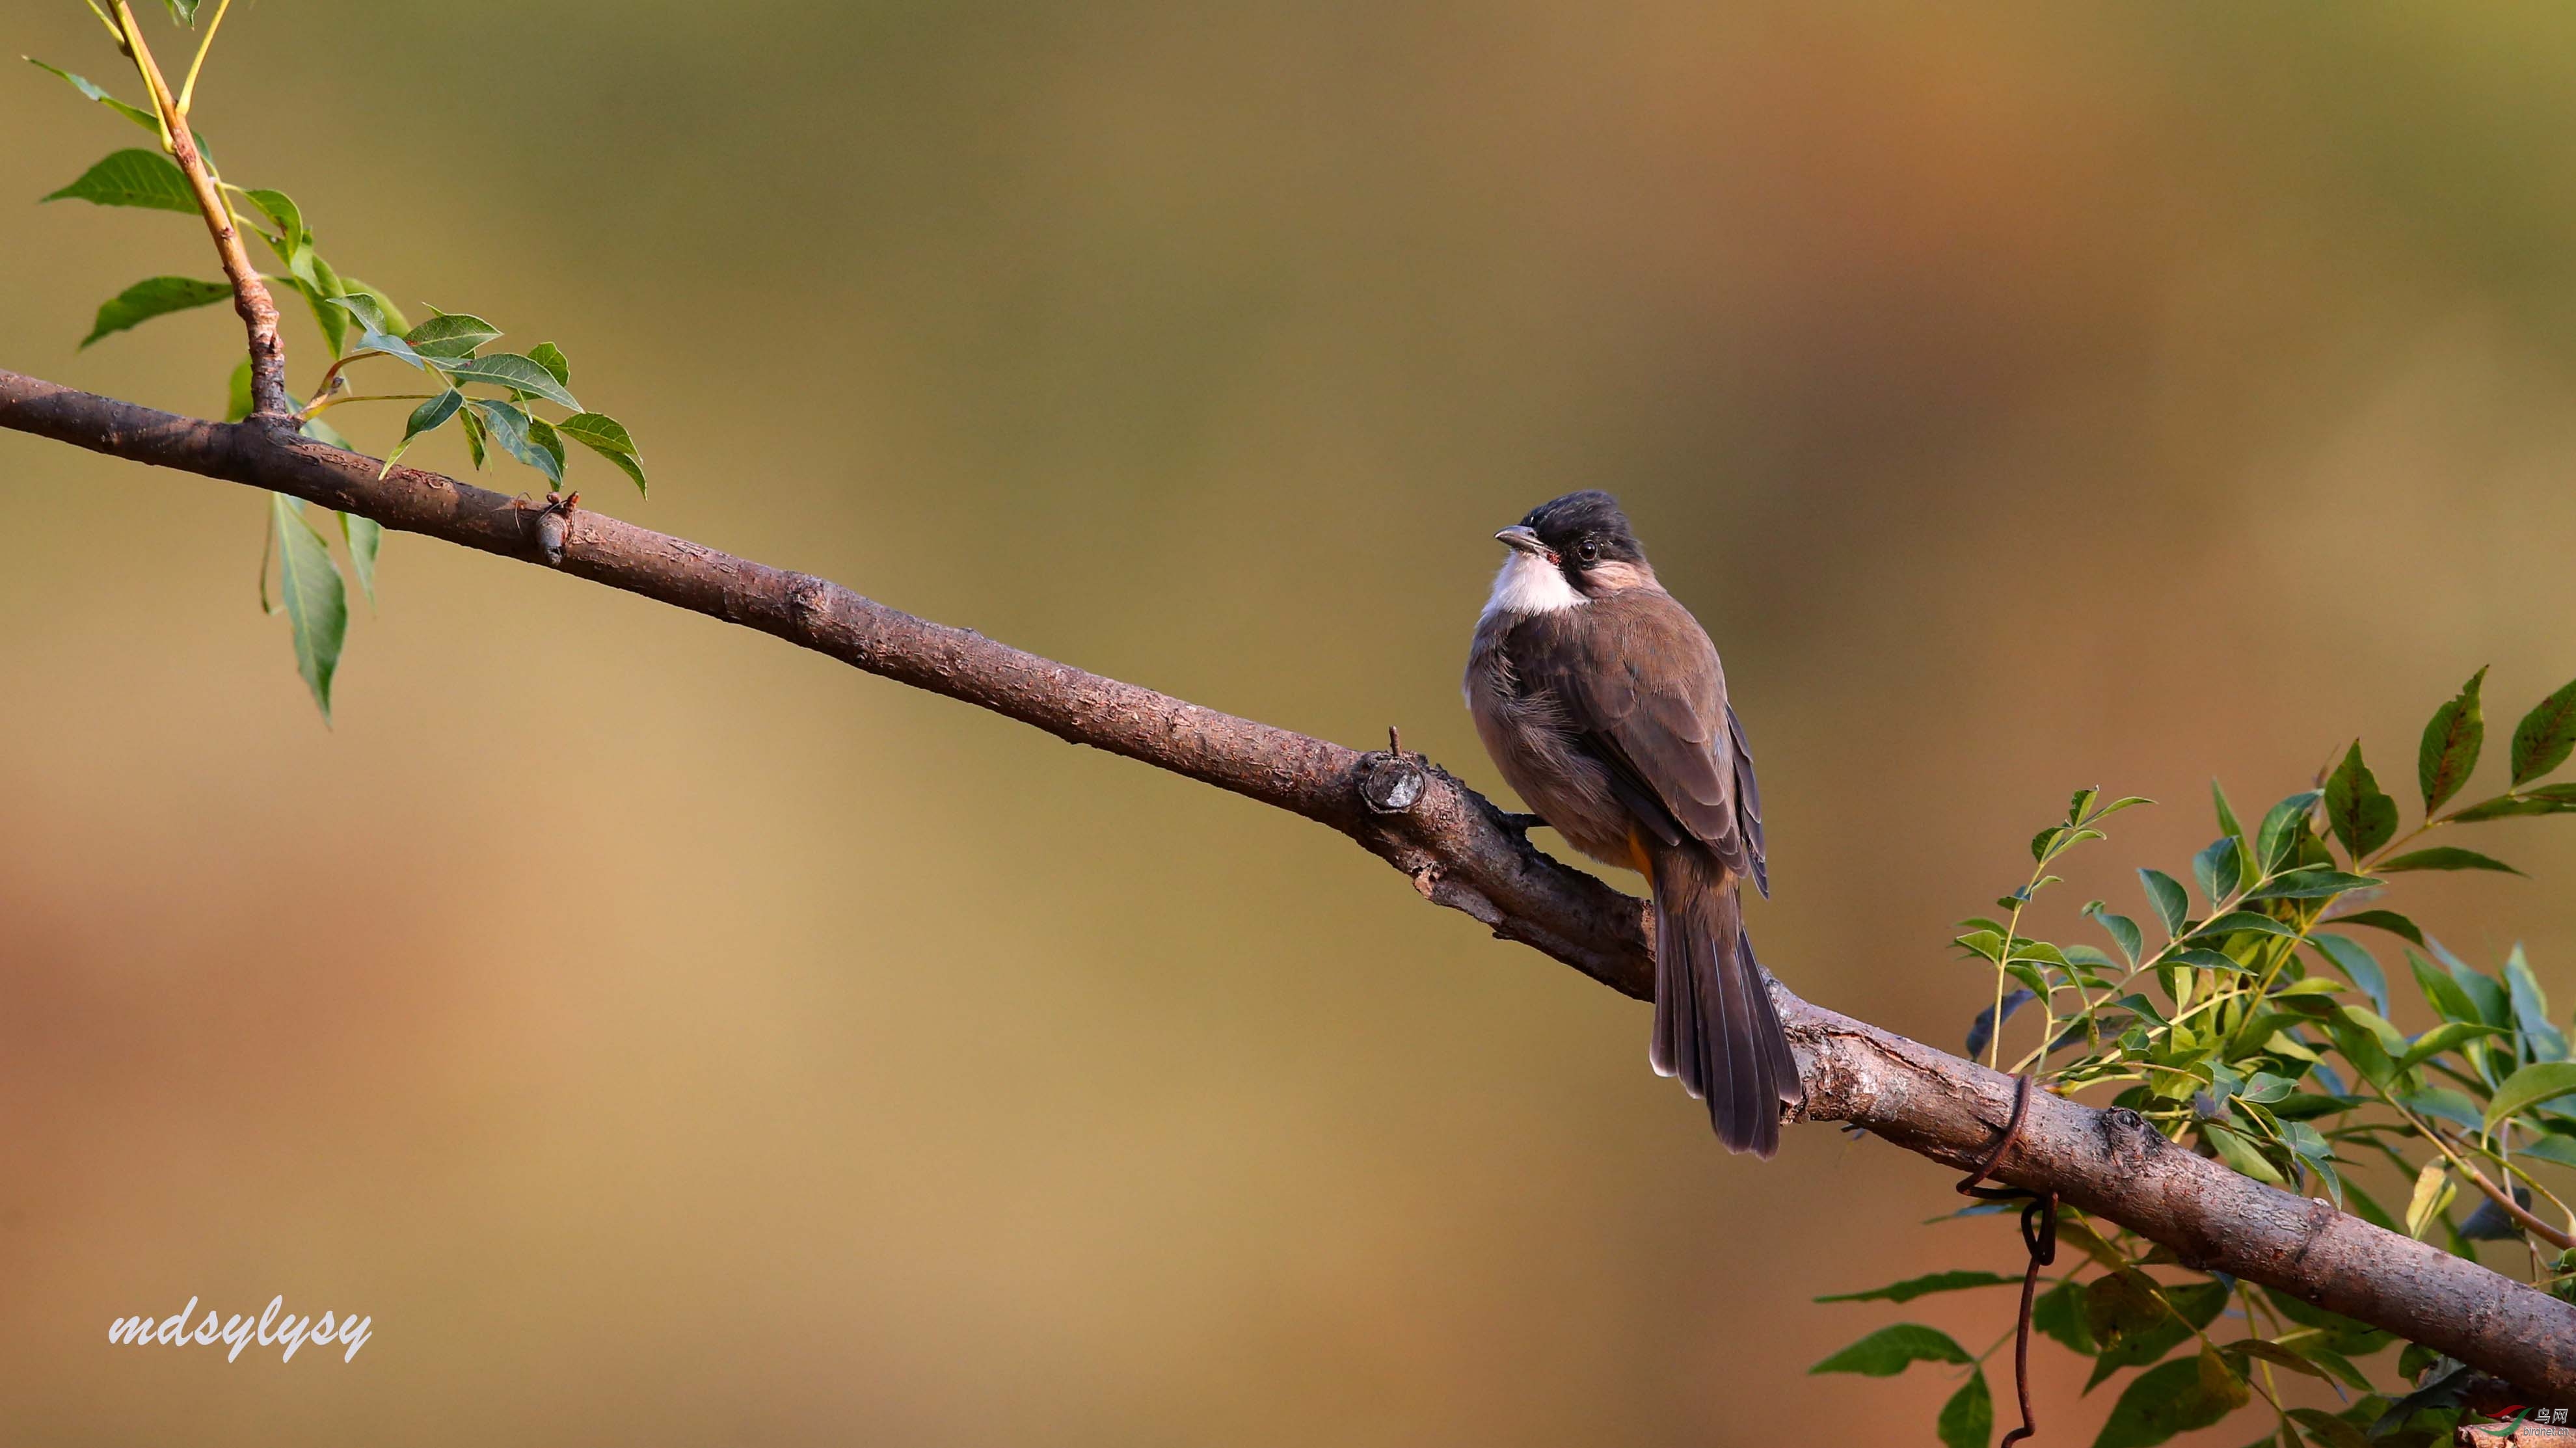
x: 1602, y: 701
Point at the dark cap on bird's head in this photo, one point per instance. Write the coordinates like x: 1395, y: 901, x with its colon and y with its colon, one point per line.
x: 1577, y: 530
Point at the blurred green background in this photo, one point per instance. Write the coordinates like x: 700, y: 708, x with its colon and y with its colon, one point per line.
x: 669, y: 1037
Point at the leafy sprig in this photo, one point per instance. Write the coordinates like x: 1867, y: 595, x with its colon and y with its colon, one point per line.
x: 495, y: 397
x: 2262, y: 1038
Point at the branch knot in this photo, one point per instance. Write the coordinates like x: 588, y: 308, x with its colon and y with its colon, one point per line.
x: 1391, y: 784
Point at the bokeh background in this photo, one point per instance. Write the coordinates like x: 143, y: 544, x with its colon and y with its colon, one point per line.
x: 672, y: 1038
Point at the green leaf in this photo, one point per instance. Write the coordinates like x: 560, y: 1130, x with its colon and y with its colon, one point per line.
x: 184, y: 11
x: 2059, y: 1312
x: 2240, y: 1155
x: 133, y: 178
x: 365, y: 537
x: 507, y: 427
x: 285, y: 220
x: 2283, y: 827
x: 2444, y: 1104
x: 2529, y: 1087
x: 238, y: 403
x: 2310, y: 985
x: 2240, y: 920
x: 2452, y: 738
x: 1968, y: 1419
x: 2123, y: 930
x: 2128, y: 1320
x: 1888, y: 1351
x: 2215, y: 869
x: 474, y: 440
x: 2361, y: 815
x: 2263, y: 1088
x: 374, y: 335
x: 451, y: 335
x: 136, y: 114
x: 1914, y: 1287
x: 2542, y: 800
x: 2448, y: 997
x: 369, y: 315
x: 2531, y: 1008
x: 2226, y: 815
x: 319, y: 295
x: 2388, y: 920
x: 2444, y: 1037
x: 2341, y: 1333
x: 2444, y: 857
x: 2552, y: 1148
x: 519, y: 374
x: 2369, y: 1044
x: 2273, y: 1352
x: 2328, y: 1431
x: 394, y: 321
x: 2336, y: 1365
x: 2483, y: 990
x: 2546, y: 735
x: 2202, y: 958
x: 428, y: 417
x: 607, y: 437
x: 2166, y: 894
x: 2130, y: 1317
x: 317, y: 604
x: 542, y: 433
x: 2309, y: 883
x: 2181, y: 1395
x: 157, y: 297
x: 551, y: 357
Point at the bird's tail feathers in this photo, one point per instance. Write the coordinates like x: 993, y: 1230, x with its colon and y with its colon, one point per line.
x: 1715, y: 1025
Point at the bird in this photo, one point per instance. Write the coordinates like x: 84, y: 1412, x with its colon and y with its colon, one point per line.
x: 1602, y: 702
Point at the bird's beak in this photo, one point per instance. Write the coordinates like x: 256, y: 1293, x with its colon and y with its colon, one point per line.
x: 1523, y: 540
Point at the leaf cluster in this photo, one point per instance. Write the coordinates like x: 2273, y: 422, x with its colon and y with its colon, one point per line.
x: 496, y: 398
x: 2247, y: 1015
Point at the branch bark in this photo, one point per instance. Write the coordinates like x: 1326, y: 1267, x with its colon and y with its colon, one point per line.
x: 1458, y: 851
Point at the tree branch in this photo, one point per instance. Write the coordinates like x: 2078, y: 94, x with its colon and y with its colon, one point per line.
x: 251, y: 299
x: 1458, y: 851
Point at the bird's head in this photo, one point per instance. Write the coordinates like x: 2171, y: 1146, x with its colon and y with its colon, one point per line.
x: 1586, y: 539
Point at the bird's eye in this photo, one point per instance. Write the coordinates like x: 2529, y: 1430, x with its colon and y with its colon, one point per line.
x: 1588, y: 551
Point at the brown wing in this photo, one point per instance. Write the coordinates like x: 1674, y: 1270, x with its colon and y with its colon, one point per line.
x: 1748, y: 803
x: 1639, y: 685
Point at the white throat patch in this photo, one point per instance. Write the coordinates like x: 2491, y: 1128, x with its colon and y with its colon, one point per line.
x: 1531, y: 584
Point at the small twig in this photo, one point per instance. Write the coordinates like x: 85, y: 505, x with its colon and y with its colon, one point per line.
x: 2503, y: 1199
x: 188, y: 87
x: 327, y: 403
x: 2038, y: 1238
x: 331, y: 378
x: 251, y: 299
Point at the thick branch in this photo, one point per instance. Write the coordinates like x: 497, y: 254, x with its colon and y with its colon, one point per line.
x: 1458, y: 851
